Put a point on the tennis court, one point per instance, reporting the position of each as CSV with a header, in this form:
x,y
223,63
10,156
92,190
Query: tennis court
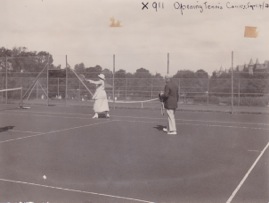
x,y
60,154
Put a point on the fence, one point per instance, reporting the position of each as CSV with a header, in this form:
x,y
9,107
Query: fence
x,y
237,88
246,92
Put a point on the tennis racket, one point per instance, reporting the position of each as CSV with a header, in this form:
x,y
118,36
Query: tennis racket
x,y
162,103
162,108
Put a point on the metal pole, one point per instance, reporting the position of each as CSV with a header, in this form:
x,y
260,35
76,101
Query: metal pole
x,y
6,77
79,97
239,87
37,89
81,81
47,84
34,83
21,100
151,88
179,89
58,87
167,63
208,83
66,77
113,93
126,85
232,84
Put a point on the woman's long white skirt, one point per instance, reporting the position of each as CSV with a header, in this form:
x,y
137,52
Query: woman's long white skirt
x,y
100,101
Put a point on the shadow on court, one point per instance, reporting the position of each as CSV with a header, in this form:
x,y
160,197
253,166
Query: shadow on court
x,y
6,128
160,127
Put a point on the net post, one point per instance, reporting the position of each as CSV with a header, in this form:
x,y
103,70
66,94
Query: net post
x,y
232,84
37,89
21,99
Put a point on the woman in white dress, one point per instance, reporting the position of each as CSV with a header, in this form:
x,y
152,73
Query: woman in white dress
x,y
100,97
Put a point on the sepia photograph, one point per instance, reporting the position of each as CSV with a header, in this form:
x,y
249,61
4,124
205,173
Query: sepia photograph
x,y
127,101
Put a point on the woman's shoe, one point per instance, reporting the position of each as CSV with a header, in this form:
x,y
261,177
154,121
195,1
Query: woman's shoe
x,y
107,115
95,116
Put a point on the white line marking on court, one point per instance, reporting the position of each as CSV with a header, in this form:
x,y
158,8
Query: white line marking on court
x,y
225,126
194,124
22,131
253,150
247,174
189,120
74,190
182,120
53,116
55,131
153,118
57,114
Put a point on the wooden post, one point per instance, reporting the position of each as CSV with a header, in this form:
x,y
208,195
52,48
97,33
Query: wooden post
x,y
58,86
168,63
208,83
6,85
66,80
47,85
113,93
239,91
232,84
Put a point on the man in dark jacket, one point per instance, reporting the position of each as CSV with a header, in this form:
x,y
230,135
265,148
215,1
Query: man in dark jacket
x,y
170,98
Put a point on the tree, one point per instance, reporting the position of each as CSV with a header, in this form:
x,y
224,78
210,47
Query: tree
x,y
24,66
142,73
220,84
187,81
108,73
93,72
202,81
79,68
120,82
141,84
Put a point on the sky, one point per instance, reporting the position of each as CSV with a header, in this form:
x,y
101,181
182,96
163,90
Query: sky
x,y
156,35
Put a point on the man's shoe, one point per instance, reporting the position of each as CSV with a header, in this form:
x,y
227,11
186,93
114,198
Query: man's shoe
x,y
172,133
165,129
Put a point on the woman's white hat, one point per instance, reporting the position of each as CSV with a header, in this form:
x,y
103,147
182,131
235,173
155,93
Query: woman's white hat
x,y
102,76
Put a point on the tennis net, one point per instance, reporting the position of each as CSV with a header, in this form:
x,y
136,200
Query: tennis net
x,y
11,98
147,104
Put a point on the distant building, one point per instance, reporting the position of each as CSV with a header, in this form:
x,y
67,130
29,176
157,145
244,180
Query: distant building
x,y
221,71
251,67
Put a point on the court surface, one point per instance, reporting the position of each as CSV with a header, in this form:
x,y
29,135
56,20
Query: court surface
x,y
60,154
